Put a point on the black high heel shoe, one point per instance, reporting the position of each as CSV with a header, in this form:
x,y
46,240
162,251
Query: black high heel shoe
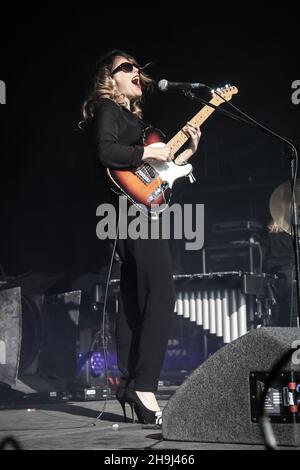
x,y
120,392
145,416
123,402
120,396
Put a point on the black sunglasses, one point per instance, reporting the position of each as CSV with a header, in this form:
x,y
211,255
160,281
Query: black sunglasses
x,y
126,67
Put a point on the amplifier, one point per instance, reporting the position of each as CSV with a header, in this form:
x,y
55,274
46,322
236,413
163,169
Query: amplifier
x,y
245,226
240,255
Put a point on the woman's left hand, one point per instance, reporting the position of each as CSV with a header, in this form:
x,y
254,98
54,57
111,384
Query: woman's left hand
x,y
194,133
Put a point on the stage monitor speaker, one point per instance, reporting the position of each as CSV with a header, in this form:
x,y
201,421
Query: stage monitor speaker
x,y
38,343
215,404
10,334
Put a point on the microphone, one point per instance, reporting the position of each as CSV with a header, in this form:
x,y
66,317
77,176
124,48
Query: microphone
x,y
165,85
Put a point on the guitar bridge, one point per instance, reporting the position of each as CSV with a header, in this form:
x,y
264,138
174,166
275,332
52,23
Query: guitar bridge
x,y
158,191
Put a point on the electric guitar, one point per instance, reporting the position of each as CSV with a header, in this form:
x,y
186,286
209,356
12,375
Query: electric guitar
x,y
150,185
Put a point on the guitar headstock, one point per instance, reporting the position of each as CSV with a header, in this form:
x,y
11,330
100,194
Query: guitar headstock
x,y
225,93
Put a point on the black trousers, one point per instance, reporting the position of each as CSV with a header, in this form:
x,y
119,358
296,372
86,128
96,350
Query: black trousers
x,y
147,300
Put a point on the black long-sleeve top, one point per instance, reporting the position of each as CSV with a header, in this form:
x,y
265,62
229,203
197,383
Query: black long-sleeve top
x,y
119,136
279,252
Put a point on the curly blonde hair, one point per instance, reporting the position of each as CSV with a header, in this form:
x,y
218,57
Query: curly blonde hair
x,y
105,87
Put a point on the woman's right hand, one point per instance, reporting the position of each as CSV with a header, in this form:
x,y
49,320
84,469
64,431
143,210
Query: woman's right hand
x,y
161,154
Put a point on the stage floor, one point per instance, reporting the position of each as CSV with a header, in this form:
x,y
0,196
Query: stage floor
x,y
73,426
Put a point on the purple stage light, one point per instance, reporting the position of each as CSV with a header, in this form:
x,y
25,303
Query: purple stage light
x,y
97,364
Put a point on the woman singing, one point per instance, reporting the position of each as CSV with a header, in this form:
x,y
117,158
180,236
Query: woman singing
x,y
146,285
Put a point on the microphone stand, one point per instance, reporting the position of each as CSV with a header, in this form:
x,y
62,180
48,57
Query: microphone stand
x,y
293,159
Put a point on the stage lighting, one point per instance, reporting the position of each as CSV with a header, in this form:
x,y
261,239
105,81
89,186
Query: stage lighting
x,y
91,364
91,382
97,363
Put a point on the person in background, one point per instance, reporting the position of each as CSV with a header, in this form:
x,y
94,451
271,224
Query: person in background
x,y
279,260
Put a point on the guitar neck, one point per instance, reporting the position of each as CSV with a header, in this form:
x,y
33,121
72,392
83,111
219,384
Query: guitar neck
x,y
180,138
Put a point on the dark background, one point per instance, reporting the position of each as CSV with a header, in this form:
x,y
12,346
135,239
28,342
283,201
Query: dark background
x,y
50,183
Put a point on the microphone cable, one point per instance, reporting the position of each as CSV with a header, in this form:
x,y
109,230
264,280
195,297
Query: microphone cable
x,y
102,332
